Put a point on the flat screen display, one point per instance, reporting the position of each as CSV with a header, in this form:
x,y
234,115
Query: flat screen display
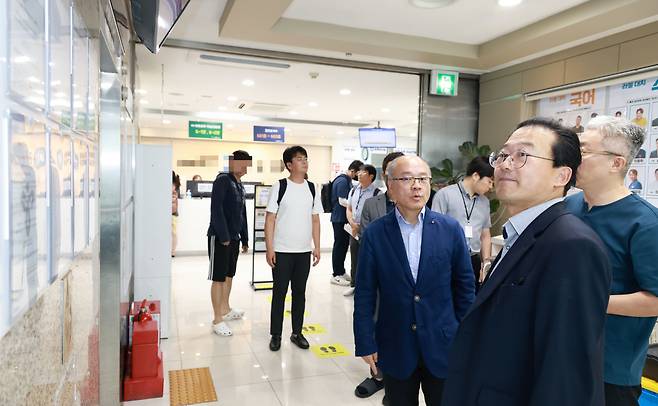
x,y
377,137
154,19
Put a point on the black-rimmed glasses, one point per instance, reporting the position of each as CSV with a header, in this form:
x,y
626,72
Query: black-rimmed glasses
x,y
517,158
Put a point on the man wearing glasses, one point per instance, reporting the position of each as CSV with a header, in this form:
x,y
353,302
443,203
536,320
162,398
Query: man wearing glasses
x,y
414,268
534,335
628,225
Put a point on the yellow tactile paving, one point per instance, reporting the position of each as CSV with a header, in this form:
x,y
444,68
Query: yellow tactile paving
x,y
190,386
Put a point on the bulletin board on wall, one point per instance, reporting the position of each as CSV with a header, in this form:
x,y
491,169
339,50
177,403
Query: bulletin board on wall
x,y
636,100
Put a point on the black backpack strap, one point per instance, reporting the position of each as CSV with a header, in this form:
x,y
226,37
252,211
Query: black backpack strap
x,y
376,191
311,187
283,184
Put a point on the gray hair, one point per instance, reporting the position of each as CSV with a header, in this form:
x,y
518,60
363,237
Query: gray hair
x,y
390,169
619,133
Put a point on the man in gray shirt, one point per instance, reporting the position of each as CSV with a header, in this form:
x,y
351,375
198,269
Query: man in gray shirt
x,y
466,202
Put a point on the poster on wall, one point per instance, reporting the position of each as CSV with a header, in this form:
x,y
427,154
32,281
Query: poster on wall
x,y
28,214
636,100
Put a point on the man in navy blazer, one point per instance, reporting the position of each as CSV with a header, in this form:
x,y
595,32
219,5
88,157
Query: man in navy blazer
x,y
534,336
414,267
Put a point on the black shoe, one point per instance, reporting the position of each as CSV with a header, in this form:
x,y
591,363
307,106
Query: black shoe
x,y
275,343
299,341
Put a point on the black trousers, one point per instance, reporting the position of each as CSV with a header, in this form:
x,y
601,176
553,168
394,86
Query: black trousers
x,y
616,395
354,257
293,269
476,262
339,251
405,392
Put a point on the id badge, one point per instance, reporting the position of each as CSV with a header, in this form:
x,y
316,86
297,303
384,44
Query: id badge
x,y
468,231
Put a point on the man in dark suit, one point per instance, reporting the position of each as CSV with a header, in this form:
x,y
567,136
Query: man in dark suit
x,y
534,336
415,269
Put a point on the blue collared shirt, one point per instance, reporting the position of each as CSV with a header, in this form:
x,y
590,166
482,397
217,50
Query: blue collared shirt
x,y
412,236
357,199
517,224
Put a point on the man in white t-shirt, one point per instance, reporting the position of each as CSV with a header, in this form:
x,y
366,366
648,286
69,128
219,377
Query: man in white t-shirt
x,y
291,222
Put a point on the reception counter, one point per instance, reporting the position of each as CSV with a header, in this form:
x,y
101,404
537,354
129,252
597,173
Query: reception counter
x,y
194,218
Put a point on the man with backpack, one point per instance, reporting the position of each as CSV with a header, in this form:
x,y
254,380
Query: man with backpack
x,y
356,199
340,188
291,222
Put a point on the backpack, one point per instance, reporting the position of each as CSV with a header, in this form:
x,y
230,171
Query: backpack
x,y
283,185
326,194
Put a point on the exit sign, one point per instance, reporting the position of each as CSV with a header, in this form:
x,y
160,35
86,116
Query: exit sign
x,y
203,129
444,83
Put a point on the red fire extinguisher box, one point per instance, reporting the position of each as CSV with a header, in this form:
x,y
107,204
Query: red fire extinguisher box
x,y
145,376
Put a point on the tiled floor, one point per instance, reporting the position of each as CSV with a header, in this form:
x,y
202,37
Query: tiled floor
x,y
244,370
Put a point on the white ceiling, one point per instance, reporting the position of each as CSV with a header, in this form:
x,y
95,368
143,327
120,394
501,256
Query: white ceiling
x,y
465,21
192,86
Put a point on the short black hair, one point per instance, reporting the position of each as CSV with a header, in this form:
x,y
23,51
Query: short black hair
x,y
565,148
481,166
371,170
390,157
240,155
290,153
355,165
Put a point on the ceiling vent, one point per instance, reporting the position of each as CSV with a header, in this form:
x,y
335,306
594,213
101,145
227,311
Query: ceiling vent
x,y
239,63
259,107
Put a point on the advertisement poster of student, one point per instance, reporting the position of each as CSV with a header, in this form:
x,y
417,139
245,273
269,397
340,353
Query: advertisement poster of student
x,y
654,117
619,112
639,115
653,147
635,179
652,181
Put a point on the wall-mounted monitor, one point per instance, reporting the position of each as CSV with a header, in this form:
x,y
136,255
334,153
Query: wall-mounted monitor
x,y
201,188
377,137
154,20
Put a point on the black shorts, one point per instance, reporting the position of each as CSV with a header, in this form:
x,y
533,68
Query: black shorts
x,y
223,259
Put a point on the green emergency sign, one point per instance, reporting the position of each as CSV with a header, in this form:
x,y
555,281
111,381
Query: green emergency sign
x,y
444,83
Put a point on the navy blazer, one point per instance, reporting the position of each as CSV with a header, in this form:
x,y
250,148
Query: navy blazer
x,y
534,336
414,320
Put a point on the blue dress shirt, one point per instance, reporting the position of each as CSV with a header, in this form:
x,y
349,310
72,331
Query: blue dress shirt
x,y
412,236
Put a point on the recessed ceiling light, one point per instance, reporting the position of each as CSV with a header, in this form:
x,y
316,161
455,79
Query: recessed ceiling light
x,y
293,113
386,110
345,92
143,101
21,59
231,98
140,91
358,117
340,132
509,3
431,3
312,104
165,121
248,82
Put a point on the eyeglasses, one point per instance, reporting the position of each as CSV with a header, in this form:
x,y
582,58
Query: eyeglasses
x,y
300,159
608,153
410,180
517,158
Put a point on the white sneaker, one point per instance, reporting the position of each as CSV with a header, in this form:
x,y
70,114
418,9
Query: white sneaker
x,y
222,329
339,280
349,292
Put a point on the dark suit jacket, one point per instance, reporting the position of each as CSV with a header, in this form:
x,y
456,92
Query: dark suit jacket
x,y
373,208
534,336
415,319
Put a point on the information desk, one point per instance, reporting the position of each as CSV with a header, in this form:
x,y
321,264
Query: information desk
x,y
194,218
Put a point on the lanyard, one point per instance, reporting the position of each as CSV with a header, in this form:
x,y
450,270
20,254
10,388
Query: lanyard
x,y
362,191
468,215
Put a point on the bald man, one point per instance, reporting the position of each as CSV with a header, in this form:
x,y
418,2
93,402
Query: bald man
x,y
417,263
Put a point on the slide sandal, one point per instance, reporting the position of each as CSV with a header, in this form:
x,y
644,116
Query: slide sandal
x,y
234,314
368,387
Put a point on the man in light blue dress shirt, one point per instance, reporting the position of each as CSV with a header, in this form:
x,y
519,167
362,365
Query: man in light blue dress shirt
x,y
415,269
